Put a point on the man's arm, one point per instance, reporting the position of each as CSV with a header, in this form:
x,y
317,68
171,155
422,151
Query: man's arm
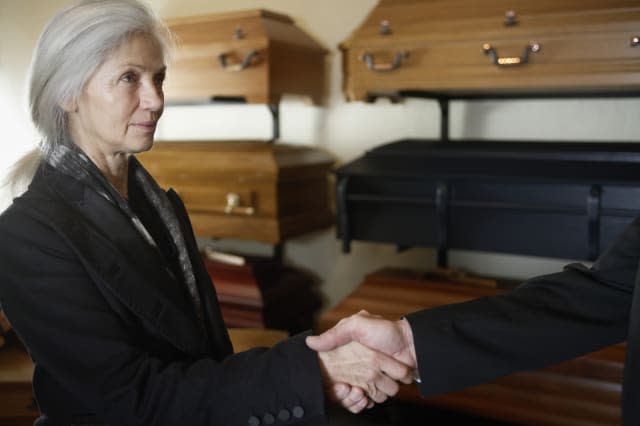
x,y
544,321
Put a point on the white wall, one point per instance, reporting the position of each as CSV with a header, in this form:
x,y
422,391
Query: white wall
x,y
345,129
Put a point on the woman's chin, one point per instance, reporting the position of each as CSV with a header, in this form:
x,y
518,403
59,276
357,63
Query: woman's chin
x,y
142,146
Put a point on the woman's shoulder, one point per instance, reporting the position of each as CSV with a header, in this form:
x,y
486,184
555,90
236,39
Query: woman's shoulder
x,y
24,214
31,224
43,202
47,187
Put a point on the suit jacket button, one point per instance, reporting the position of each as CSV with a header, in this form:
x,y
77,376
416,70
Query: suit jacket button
x,y
298,412
269,419
284,415
254,421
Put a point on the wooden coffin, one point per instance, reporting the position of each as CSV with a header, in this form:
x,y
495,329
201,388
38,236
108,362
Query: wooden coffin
x,y
247,190
555,199
583,391
255,55
494,46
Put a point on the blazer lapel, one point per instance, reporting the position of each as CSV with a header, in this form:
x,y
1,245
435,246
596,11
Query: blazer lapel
x,y
220,342
123,263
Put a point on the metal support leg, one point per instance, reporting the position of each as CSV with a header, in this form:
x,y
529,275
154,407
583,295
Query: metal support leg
x,y
278,253
593,216
343,215
444,119
275,114
442,207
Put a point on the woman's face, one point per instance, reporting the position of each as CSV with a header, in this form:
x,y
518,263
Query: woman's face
x,y
119,108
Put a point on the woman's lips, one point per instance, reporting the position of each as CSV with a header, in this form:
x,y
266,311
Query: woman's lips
x,y
146,125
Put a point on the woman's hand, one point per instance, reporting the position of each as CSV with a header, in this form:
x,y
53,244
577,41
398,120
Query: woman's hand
x,y
357,376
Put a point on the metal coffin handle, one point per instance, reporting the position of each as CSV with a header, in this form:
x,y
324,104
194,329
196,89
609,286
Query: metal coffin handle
x,y
233,206
251,58
367,58
533,47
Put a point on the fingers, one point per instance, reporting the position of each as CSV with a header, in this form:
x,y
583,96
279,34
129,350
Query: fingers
x,y
360,405
336,336
340,391
378,392
350,398
369,354
391,371
367,314
396,370
341,333
359,366
356,401
393,338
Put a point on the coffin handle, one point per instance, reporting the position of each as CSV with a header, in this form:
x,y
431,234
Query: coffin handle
x,y
532,47
367,58
250,58
233,206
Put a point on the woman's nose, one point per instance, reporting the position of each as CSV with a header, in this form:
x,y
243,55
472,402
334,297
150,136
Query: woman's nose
x,y
151,97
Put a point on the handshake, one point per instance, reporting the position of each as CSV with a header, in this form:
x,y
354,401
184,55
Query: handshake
x,y
363,358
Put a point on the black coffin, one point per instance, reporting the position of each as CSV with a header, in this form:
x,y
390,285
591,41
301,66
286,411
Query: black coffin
x,y
554,199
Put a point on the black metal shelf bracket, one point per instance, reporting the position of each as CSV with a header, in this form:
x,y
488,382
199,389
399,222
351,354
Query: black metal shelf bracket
x,y
443,102
594,202
442,213
274,109
343,218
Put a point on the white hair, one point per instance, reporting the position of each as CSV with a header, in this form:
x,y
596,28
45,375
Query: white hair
x,y
75,42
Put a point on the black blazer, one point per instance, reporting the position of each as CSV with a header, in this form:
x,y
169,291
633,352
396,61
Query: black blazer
x,y
114,336
546,320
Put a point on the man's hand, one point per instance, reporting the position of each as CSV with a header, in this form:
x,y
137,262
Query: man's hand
x,y
393,338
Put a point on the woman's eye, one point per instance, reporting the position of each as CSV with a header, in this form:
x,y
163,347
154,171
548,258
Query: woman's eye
x,y
129,78
159,79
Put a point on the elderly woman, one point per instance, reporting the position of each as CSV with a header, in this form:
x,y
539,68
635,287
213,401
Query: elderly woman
x,y
101,277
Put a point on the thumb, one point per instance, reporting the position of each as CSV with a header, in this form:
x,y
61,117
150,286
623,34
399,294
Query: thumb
x,y
329,340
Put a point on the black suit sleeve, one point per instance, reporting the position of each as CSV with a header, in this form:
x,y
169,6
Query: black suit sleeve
x,y
83,343
545,320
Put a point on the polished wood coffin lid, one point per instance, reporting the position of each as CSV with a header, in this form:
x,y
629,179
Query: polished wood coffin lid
x,y
449,47
247,190
278,58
